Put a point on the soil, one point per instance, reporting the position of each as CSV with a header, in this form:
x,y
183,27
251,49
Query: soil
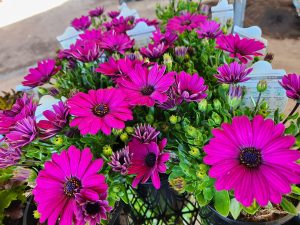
x,y
277,18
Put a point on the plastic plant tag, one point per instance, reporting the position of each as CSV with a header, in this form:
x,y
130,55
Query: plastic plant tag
x,y
274,95
141,33
126,11
68,37
222,12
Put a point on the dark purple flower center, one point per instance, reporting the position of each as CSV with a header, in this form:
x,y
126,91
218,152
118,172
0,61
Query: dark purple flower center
x,y
150,159
148,90
122,160
100,110
72,186
186,22
250,157
92,208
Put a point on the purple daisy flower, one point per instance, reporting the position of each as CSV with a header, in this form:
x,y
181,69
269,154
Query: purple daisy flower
x,y
91,35
190,88
167,39
291,83
9,156
41,74
90,211
233,73
242,48
181,51
22,108
85,51
115,42
96,12
209,29
120,161
145,133
114,14
154,51
23,133
82,23
56,120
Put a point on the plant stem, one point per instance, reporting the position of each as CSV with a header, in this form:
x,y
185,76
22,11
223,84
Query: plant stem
x,y
292,112
257,102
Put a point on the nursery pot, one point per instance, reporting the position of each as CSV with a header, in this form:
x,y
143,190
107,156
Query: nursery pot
x,y
163,206
214,218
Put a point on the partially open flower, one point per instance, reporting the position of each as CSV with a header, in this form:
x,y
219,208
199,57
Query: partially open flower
x,y
120,161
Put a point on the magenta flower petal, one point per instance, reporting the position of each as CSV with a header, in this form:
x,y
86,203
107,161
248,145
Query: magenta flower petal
x,y
62,180
233,73
146,87
291,83
242,48
41,74
101,109
254,159
82,23
209,29
147,161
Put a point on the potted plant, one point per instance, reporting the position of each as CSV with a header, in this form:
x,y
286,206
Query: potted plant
x,y
157,127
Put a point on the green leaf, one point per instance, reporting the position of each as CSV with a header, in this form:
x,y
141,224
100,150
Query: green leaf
x,y
208,193
200,198
235,208
222,202
295,190
288,206
252,209
6,196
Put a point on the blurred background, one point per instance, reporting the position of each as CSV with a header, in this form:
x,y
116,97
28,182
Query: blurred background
x,y
28,30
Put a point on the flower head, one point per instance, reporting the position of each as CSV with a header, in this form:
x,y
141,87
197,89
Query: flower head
x,y
114,14
100,109
181,51
154,51
120,161
69,173
173,100
291,83
233,73
96,12
253,158
242,48
91,211
190,88
185,22
116,42
145,133
85,50
82,23
148,22
22,133
9,156
56,120
92,35
167,38
145,87
148,160
22,108
41,74
121,24
209,29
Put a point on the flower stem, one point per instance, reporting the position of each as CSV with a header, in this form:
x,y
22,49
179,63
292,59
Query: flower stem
x,y
257,102
292,112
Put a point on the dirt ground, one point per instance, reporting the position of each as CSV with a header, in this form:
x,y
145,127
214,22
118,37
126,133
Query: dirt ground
x,y
25,42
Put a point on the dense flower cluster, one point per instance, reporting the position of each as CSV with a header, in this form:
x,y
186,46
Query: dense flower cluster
x,y
171,102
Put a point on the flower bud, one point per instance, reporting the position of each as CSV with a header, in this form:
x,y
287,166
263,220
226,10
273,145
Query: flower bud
x,y
194,151
57,140
216,118
217,104
129,130
124,137
107,150
174,119
168,61
202,106
234,97
191,131
117,132
178,184
262,86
